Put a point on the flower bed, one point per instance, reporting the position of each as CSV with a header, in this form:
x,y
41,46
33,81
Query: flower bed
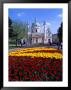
x,y
35,64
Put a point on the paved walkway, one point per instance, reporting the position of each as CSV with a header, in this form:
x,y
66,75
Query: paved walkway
x,y
17,48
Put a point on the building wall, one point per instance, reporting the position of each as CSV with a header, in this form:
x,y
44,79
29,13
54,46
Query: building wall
x,y
47,39
37,29
40,40
33,40
37,40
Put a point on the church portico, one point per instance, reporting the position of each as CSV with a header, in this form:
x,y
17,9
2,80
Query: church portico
x,y
37,38
40,33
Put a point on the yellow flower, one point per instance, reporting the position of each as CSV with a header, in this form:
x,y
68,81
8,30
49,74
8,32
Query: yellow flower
x,y
24,52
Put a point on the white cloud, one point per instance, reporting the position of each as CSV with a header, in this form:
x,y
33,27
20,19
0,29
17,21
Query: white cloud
x,y
48,24
20,14
60,15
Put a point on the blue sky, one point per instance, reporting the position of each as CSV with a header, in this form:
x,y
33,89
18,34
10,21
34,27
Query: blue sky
x,y
52,16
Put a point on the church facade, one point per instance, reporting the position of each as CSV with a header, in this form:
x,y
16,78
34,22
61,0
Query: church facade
x,y
40,33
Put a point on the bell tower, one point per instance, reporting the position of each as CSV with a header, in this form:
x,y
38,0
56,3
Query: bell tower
x,y
45,32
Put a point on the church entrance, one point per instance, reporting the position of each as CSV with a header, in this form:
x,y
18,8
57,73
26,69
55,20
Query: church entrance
x,y
36,40
49,41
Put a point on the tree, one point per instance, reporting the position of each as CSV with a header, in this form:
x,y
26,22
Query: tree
x,y
60,32
10,27
10,22
20,30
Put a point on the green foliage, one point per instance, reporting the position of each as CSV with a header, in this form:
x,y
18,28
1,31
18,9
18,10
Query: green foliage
x,y
60,32
20,29
10,27
10,22
17,31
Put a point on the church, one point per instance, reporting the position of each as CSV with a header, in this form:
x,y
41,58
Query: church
x,y
40,33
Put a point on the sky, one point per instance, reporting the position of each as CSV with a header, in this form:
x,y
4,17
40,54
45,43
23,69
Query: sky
x,y
54,17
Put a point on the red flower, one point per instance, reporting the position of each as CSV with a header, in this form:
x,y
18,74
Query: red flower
x,y
10,79
20,67
54,72
24,68
20,73
26,77
16,78
16,71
